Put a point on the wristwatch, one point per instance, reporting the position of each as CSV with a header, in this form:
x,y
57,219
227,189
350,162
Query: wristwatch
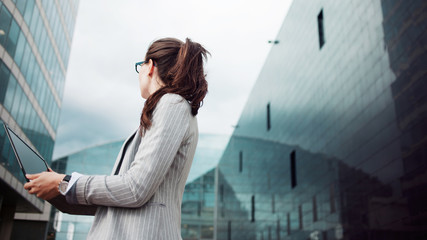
x,y
63,185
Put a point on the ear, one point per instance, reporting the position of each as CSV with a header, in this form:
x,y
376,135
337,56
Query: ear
x,y
150,67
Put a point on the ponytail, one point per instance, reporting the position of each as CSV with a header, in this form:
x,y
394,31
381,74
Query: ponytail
x,y
180,67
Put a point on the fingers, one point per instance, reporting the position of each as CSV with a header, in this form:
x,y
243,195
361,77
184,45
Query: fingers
x,y
27,186
33,191
33,176
43,185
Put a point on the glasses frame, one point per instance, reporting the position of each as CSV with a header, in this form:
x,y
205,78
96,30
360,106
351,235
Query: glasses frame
x,y
140,64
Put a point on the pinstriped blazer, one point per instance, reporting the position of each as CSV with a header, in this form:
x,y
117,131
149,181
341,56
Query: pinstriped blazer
x,y
144,200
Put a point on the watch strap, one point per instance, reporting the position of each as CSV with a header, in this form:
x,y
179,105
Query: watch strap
x,y
67,178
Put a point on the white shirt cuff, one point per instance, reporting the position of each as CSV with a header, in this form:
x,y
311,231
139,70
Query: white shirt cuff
x,y
74,177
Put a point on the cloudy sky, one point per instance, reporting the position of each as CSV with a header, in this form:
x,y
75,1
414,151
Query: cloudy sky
x,y
102,102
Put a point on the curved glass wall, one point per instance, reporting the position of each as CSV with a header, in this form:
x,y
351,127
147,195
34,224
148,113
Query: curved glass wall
x,y
199,191
198,202
331,143
98,160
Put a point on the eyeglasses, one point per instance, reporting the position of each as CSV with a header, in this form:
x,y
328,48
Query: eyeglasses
x,y
139,64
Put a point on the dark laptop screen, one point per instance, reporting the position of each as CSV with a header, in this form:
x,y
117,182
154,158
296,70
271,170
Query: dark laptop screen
x,y
31,162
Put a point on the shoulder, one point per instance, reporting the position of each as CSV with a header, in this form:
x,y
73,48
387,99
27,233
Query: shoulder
x,y
172,101
172,98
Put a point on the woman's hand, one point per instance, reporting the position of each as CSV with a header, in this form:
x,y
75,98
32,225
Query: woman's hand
x,y
44,184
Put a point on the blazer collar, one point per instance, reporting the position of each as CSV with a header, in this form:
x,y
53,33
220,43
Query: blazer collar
x,y
125,145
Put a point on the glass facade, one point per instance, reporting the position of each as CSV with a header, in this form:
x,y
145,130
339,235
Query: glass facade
x,y
98,160
197,209
198,202
35,38
199,191
331,142
35,42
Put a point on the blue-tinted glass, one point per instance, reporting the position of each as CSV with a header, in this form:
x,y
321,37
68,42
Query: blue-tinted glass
x,y
12,38
19,49
4,79
31,65
38,31
34,20
27,53
29,11
351,115
10,93
21,112
27,108
16,101
32,124
5,18
20,4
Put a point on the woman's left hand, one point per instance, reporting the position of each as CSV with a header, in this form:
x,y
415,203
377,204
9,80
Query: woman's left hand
x,y
44,184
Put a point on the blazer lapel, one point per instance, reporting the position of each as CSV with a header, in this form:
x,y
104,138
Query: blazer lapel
x,y
122,152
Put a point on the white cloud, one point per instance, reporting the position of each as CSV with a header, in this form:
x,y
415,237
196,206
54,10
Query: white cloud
x,y
110,36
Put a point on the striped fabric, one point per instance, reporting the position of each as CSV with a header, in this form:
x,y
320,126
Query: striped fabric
x,y
144,200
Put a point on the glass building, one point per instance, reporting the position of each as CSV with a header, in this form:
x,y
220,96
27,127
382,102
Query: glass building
x,y
98,160
198,200
197,209
332,143
35,42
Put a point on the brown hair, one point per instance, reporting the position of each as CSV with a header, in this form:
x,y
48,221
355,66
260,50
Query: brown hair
x,y
180,67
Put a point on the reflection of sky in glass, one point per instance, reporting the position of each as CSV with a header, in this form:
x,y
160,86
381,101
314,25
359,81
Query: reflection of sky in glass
x,y
333,139
97,160
209,150
100,159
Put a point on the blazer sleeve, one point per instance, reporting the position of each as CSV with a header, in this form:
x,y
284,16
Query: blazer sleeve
x,y
153,158
62,205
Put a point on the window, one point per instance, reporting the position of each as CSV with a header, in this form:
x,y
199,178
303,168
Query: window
x,y
293,170
273,204
278,229
4,79
12,38
332,198
240,161
28,11
16,102
19,49
20,4
321,29
5,18
221,193
300,216
288,225
253,209
229,231
314,209
268,117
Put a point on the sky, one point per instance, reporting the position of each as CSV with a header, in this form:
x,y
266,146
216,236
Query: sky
x,y
102,101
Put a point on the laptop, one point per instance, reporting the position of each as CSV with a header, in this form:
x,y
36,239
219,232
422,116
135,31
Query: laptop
x,y
29,160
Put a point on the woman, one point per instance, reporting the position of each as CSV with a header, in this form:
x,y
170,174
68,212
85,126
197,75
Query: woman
x,y
142,199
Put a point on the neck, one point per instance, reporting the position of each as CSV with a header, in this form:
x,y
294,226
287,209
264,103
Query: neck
x,y
155,85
